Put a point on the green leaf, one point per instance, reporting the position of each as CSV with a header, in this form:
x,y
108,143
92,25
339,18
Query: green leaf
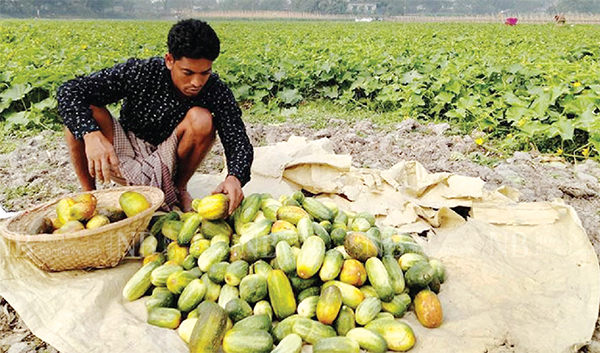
x,y
467,103
587,121
290,96
532,128
514,114
410,77
48,103
17,119
16,92
330,91
563,127
444,97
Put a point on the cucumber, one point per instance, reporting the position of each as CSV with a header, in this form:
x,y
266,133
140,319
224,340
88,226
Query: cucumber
x,y
215,253
367,310
263,307
336,345
177,281
284,327
351,296
380,279
213,290
281,294
253,288
311,257
140,282
329,305
238,309
308,292
292,343
209,330
419,275
192,295
316,209
345,321
308,307
332,265
228,293
285,257
161,297
398,335
164,317
254,322
189,228
312,331
395,272
235,272
247,341
216,272
258,248
305,229
368,340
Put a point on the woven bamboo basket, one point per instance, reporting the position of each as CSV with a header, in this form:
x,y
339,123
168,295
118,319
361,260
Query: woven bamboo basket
x,y
91,248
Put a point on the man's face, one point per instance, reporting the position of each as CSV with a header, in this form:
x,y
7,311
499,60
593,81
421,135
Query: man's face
x,y
188,75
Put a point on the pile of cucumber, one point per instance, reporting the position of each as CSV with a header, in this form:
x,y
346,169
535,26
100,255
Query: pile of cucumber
x,y
280,273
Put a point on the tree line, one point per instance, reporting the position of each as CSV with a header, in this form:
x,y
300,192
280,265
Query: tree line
x,y
156,8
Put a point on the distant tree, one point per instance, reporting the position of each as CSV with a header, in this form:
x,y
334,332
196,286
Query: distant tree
x,y
273,5
585,6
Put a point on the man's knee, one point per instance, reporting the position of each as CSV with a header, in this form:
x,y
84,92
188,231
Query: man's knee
x,y
198,121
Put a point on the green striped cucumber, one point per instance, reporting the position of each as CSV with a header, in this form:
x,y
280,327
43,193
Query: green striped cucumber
x,y
380,279
253,288
216,253
285,257
254,322
368,340
238,309
235,272
312,331
291,343
345,321
164,317
395,272
216,272
336,345
140,282
209,330
367,310
189,228
192,295
247,341
332,265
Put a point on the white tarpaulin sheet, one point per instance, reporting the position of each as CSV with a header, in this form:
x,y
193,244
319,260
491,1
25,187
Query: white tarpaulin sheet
x,y
522,277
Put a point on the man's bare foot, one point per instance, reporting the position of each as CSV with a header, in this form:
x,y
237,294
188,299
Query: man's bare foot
x,y
185,200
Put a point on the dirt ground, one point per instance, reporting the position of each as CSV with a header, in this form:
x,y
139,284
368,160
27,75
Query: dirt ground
x,y
38,170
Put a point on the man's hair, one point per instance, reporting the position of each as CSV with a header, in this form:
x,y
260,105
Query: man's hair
x,y
193,39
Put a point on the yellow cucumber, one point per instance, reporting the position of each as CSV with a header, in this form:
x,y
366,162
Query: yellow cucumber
x,y
281,294
311,257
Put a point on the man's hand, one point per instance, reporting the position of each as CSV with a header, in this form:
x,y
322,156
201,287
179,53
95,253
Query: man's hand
x,y
233,188
101,156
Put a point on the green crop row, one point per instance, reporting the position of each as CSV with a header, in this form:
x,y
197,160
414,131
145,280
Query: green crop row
x,y
538,83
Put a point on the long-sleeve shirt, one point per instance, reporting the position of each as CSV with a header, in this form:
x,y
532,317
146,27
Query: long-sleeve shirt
x,y
151,107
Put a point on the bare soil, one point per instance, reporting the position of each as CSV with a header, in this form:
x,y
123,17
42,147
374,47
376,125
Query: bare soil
x,y
38,170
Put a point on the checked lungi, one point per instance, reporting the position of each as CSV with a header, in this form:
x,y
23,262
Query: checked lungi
x,y
143,163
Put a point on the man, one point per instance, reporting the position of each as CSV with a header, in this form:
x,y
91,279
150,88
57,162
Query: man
x,y
171,108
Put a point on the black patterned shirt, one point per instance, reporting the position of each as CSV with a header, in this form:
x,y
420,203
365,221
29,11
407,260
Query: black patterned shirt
x,y
151,107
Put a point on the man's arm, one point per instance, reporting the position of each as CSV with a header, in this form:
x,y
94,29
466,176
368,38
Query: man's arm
x,y
76,98
99,89
238,149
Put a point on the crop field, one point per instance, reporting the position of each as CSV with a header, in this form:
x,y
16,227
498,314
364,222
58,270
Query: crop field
x,y
523,87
